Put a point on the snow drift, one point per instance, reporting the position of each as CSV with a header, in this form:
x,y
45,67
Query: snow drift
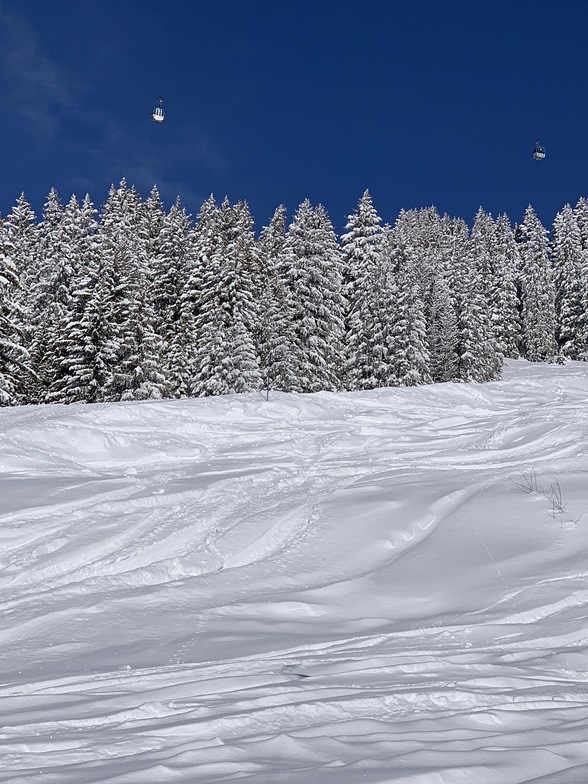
x,y
386,586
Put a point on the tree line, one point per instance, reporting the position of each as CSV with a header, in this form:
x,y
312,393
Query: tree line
x,y
135,302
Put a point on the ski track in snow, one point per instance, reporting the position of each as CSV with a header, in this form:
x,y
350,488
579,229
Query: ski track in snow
x,y
324,589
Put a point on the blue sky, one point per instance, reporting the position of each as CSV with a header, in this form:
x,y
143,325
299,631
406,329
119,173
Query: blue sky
x,y
273,102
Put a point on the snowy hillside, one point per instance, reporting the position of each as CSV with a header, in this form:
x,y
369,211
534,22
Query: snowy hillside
x,y
368,587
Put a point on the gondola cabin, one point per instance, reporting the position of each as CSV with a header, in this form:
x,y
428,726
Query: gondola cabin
x,y
158,115
538,152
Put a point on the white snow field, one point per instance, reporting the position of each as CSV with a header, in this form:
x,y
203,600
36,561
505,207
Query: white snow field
x,y
385,586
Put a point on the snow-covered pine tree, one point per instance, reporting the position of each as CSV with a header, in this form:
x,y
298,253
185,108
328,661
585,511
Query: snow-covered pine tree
x,y
421,234
429,242
225,358
23,234
273,341
368,290
581,215
50,295
22,231
181,354
570,285
482,249
494,250
243,246
437,245
328,359
14,371
478,359
537,290
151,220
74,380
311,268
171,268
481,245
127,347
149,382
477,356
103,321
506,305
410,353
442,328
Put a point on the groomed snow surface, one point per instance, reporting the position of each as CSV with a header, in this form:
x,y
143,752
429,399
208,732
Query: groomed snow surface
x,y
385,586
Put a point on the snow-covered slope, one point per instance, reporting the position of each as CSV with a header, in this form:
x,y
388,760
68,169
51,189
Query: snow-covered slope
x,y
325,589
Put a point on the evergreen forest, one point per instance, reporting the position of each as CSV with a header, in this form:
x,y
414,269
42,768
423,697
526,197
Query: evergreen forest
x,y
136,302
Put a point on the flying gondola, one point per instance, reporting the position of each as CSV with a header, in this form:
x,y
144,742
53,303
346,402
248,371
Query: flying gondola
x,y
158,115
539,151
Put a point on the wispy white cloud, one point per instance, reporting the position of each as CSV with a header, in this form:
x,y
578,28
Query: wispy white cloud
x,y
45,95
36,86
174,168
144,171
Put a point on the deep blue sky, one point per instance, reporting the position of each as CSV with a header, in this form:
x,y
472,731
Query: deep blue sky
x,y
273,102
